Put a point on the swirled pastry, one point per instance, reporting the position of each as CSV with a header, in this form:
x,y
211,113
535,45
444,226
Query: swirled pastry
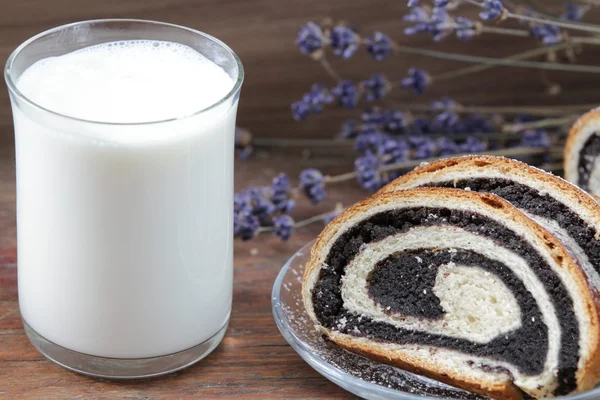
x,y
582,151
564,209
459,286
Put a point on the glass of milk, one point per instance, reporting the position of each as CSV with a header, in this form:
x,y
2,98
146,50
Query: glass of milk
x,y
124,138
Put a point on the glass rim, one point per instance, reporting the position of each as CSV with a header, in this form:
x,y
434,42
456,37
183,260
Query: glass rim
x,y
10,82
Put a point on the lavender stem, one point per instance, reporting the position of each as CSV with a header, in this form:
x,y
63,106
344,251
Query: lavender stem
x,y
505,31
499,61
519,56
337,143
507,110
544,21
560,24
329,69
545,123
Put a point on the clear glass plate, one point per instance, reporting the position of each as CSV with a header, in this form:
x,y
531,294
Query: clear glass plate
x,y
361,376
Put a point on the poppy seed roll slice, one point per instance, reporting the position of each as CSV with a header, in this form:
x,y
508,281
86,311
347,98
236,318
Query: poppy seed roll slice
x,y
459,286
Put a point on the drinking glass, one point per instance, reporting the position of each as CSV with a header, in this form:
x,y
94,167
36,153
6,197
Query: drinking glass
x,y
124,230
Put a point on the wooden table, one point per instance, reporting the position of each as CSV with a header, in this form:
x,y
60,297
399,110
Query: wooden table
x,y
253,361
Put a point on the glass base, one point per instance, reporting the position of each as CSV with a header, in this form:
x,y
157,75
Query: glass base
x,y
116,368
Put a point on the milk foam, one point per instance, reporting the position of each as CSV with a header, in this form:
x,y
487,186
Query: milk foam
x,y
126,82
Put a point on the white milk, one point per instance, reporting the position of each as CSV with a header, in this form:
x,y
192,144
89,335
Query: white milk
x,y
125,231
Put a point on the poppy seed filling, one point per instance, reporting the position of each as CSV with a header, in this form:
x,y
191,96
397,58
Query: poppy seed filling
x,y
530,200
587,157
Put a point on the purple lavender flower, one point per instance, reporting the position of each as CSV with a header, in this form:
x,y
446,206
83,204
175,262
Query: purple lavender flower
x,y
372,116
548,34
241,202
246,152
574,12
347,94
441,24
447,119
281,191
369,140
344,41
447,122
312,102
444,104
394,121
262,207
421,20
281,184
535,138
246,225
375,87
349,129
256,201
465,28
417,80
476,123
492,10
446,147
319,96
312,182
422,147
243,142
473,145
412,3
421,126
301,110
310,38
379,46
283,224
367,169
391,151
441,3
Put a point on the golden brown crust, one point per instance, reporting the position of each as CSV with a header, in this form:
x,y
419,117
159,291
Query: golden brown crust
x,y
504,391
504,165
587,377
571,153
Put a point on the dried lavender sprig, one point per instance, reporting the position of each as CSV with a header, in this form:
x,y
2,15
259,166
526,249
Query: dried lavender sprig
x,y
329,69
505,14
301,109
545,123
484,67
505,31
341,143
326,217
511,152
350,143
440,24
559,23
257,209
499,61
